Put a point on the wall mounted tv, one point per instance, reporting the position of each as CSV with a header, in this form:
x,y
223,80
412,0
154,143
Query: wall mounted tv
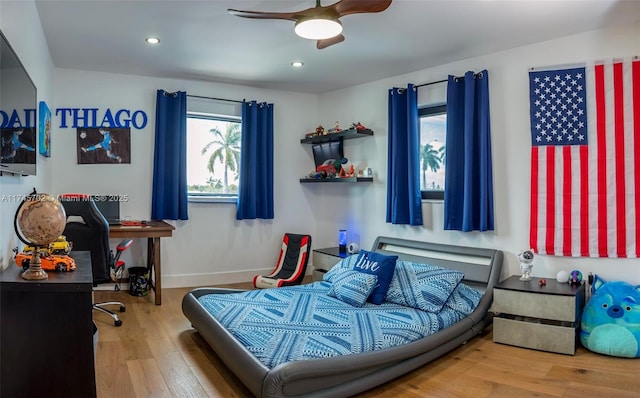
x,y
18,103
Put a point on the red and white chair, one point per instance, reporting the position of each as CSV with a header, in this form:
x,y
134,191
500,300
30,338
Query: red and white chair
x,y
292,263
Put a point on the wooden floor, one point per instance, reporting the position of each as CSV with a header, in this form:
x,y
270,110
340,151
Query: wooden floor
x,y
156,353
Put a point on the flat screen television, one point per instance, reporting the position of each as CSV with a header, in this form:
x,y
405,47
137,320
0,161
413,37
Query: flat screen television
x,y
18,103
327,151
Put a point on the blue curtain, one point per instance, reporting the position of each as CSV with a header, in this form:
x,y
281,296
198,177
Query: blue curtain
x,y
255,194
404,202
468,180
169,198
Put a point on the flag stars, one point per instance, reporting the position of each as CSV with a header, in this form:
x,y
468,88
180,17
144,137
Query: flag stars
x,y
558,108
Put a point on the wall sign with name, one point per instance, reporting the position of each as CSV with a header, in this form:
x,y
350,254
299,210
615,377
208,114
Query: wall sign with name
x,y
78,118
91,117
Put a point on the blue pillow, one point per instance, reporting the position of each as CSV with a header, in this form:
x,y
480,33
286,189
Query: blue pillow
x,y
380,265
353,287
341,266
421,286
464,299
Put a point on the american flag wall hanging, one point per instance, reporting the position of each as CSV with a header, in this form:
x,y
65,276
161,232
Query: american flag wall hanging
x,y
585,160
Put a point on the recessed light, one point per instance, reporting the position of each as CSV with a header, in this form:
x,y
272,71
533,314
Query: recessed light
x,y
297,64
152,40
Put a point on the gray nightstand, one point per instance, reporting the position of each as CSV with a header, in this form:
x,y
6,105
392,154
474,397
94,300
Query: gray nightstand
x,y
544,318
324,260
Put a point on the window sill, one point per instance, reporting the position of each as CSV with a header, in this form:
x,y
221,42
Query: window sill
x,y
212,199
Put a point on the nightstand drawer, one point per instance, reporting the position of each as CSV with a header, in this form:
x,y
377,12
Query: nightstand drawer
x,y
538,336
324,260
318,275
544,306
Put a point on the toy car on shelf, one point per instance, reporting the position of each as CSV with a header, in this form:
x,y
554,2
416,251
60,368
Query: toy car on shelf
x,y
48,262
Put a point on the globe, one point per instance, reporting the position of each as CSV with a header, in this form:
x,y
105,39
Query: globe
x,y
39,220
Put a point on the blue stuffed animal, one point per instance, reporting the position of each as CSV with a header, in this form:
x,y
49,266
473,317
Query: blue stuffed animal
x,y
611,319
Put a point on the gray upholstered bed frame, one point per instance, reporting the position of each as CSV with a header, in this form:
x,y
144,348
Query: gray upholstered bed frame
x,y
347,375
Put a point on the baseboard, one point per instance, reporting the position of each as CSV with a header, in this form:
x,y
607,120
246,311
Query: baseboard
x,y
213,279
196,280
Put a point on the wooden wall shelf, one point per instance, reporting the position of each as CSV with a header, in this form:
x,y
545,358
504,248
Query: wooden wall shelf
x,y
344,134
338,180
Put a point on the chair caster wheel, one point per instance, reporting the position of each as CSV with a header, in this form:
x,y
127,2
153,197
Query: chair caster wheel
x,y
118,322
122,309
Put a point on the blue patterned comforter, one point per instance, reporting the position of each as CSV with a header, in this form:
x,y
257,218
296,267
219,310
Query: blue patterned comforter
x,y
302,322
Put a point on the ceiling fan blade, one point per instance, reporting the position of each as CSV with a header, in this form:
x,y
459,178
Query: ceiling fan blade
x,y
347,7
324,43
290,16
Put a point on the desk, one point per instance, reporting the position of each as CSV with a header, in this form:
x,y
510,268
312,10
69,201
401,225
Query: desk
x,y
46,333
153,231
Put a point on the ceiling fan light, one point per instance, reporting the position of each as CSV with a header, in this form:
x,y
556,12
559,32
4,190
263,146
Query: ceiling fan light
x,y
318,28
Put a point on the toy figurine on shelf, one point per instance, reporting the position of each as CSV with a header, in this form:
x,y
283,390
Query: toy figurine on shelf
x,y
336,128
327,169
358,126
320,130
346,170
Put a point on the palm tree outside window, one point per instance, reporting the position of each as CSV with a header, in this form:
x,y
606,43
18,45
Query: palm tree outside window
x,y
433,129
213,157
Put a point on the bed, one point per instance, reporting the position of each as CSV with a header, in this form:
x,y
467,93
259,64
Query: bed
x,y
236,324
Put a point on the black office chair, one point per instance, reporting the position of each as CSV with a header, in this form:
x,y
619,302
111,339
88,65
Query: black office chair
x,y
88,230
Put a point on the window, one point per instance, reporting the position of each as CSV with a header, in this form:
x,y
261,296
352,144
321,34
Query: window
x,y
433,131
213,157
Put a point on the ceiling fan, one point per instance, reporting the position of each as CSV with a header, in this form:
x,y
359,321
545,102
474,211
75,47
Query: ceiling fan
x,y
321,23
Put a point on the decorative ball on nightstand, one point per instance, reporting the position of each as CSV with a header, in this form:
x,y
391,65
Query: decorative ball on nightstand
x,y
562,277
575,277
353,248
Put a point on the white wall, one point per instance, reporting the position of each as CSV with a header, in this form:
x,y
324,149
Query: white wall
x,y
211,247
31,47
509,97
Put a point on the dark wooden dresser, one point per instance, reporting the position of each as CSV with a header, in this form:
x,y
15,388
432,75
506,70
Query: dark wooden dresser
x,y
46,333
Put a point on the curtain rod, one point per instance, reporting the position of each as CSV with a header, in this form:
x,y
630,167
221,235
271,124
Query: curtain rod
x,y
479,74
214,98
430,83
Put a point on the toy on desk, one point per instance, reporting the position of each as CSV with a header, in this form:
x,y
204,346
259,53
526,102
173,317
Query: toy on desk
x,y
133,223
59,246
48,261
526,264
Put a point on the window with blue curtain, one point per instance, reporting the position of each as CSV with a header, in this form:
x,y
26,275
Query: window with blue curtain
x,y
169,195
404,202
255,194
468,194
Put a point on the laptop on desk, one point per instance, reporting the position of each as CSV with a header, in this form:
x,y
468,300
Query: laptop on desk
x,y
109,207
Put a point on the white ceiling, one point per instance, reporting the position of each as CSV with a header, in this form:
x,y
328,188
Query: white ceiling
x,y
201,40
